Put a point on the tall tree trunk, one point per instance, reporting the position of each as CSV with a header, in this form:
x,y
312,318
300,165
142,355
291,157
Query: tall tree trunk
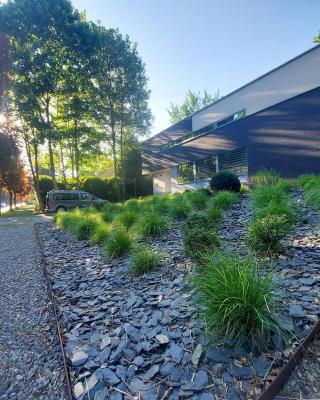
x,y
52,167
15,199
34,168
115,161
36,163
76,153
71,155
122,163
10,200
51,157
62,164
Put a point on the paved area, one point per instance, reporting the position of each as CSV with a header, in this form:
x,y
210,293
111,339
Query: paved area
x,y
30,365
15,221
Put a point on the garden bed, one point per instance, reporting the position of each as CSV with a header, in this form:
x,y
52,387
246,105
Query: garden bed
x,y
128,337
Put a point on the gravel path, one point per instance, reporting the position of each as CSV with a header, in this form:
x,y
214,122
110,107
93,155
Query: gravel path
x,y
30,365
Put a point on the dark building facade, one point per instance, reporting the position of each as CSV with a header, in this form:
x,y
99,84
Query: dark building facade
x,y
284,136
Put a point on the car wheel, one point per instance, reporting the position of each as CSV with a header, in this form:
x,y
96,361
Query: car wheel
x,y
60,209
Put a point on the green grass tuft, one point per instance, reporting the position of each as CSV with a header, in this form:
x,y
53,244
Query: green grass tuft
x,y
152,224
224,200
144,260
235,300
118,244
286,209
126,219
100,234
265,177
199,240
198,199
264,235
214,213
109,211
180,207
262,196
311,185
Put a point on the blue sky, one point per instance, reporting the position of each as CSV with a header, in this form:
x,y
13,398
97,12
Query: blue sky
x,y
207,44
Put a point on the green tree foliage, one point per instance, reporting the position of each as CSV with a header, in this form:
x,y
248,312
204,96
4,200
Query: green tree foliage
x,y
79,89
193,102
11,166
121,103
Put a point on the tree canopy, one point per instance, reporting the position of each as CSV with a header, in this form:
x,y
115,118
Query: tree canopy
x,y
194,101
78,89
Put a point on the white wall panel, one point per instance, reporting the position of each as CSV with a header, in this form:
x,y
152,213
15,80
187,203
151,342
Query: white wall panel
x,y
297,76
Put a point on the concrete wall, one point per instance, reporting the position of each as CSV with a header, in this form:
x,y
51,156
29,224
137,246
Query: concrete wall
x,y
293,78
162,182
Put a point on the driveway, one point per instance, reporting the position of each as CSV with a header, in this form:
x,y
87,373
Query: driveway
x,y
30,364
18,220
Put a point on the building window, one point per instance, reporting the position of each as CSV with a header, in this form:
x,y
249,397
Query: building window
x,y
208,128
185,173
235,161
205,168
197,170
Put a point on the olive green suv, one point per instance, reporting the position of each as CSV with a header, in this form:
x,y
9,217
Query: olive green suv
x,y
63,200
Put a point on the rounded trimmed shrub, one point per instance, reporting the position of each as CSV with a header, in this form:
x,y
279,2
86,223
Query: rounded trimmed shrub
x,y
225,181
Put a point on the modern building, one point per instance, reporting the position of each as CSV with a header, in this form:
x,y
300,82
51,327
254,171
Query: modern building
x,y
271,122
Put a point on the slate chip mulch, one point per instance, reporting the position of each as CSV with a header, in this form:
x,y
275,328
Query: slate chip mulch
x,y
139,337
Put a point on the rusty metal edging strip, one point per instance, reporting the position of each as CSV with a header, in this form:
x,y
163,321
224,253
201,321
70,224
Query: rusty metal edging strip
x,y
277,384
54,306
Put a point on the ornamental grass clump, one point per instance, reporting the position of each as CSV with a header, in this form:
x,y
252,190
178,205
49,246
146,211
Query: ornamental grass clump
x,y
83,226
152,224
65,219
109,211
144,260
224,200
100,234
198,199
199,240
180,207
126,219
311,187
118,244
214,213
199,236
265,177
157,204
133,205
262,196
265,234
235,301
285,209
200,219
